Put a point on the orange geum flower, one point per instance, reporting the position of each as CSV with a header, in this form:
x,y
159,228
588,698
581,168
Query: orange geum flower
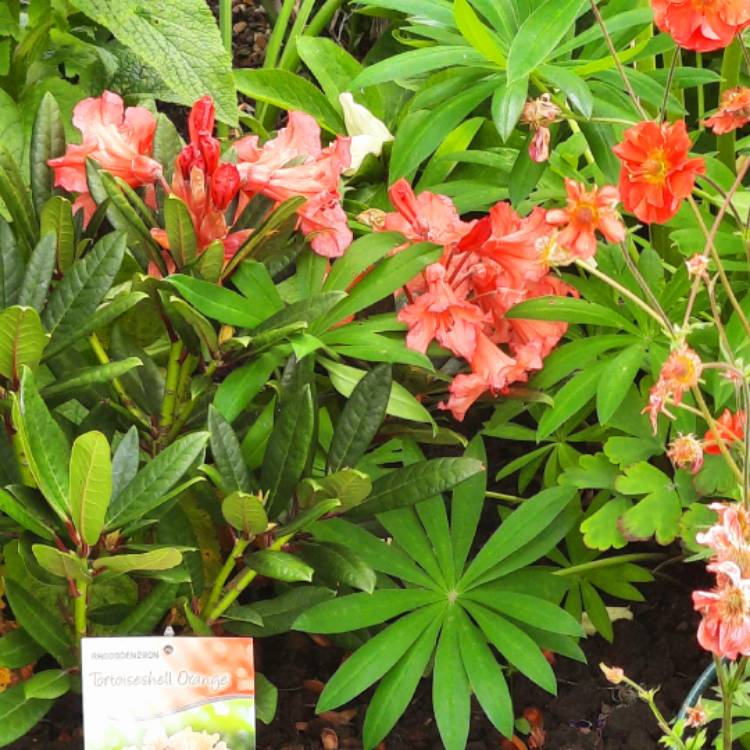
x,y
696,716
702,25
733,112
587,212
657,172
731,428
686,450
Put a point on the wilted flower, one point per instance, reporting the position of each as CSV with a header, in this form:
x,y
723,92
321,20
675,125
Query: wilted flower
x,y
587,212
615,675
539,114
696,716
657,173
697,265
702,25
731,427
686,450
733,113
725,627
119,140
368,134
678,375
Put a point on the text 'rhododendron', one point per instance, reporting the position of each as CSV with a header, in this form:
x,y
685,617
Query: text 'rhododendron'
x,y
487,267
206,185
119,140
702,25
657,173
294,163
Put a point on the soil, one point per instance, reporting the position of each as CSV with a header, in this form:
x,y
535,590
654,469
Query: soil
x,y
250,30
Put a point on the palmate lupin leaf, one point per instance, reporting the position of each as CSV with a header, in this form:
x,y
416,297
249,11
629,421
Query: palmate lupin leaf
x,y
456,611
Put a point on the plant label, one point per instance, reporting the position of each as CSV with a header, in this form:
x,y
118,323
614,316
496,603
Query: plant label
x,y
168,693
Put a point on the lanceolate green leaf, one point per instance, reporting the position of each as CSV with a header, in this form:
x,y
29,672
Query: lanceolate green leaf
x,y
46,447
57,216
47,142
77,296
467,504
218,303
18,649
359,257
398,686
22,340
158,559
145,491
149,612
39,623
369,663
12,265
39,270
166,34
26,515
227,453
360,419
477,34
617,377
569,310
19,714
17,199
419,481
539,34
180,231
79,379
90,484
279,565
287,449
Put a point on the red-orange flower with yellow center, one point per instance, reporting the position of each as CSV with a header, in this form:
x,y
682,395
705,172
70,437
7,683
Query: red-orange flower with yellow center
x,y
657,172
702,25
730,427
587,212
733,113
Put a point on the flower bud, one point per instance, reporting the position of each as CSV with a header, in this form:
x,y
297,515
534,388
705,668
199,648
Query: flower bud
x,y
225,182
210,151
615,675
201,120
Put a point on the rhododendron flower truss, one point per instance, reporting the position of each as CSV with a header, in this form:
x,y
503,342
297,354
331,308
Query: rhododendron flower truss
x,y
587,212
733,112
119,140
488,266
657,173
206,185
296,164
702,25
729,538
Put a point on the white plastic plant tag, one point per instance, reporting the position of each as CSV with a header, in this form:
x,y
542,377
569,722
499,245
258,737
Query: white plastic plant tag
x,y
168,693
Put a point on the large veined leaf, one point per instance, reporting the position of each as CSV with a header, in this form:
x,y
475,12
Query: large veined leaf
x,y
227,453
77,296
57,216
39,270
147,489
416,482
45,445
146,616
19,714
569,310
90,484
22,340
177,38
18,649
47,142
157,559
17,197
244,513
28,516
12,265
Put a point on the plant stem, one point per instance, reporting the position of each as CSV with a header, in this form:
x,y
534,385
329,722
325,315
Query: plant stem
x,y
323,17
668,85
289,57
624,292
606,562
239,585
240,545
273,49
618,62
503,496
225,28
730,77
133,409
79,610
645,288
169,402
726,699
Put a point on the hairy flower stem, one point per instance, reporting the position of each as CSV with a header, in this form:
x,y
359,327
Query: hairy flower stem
x,y
714,253
730,77
618,62
127,402
240,584
240,545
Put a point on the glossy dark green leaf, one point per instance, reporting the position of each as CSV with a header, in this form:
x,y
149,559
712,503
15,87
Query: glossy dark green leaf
x,y
360,418
144,618
19,714
281,566
227,453
17,198
178,223
38,275
244,513
338,564
12,265
125,461
47,142
507,105
216,302
18,649
57,216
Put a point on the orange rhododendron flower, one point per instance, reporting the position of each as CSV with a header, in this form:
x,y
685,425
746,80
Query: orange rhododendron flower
x,y
657,172
119,140
702,25
294,163
730,426
733,113
587,212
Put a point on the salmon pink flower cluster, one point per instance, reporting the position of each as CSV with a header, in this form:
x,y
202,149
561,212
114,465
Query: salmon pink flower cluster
x,y
488,266
702,25
725,627
119,140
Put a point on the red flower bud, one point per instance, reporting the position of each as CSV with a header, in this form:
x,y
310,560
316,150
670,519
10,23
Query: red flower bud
x,y
225,183
189,157
201,121
211,151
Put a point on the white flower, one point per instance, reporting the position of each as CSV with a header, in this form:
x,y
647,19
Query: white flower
x,y
368,134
